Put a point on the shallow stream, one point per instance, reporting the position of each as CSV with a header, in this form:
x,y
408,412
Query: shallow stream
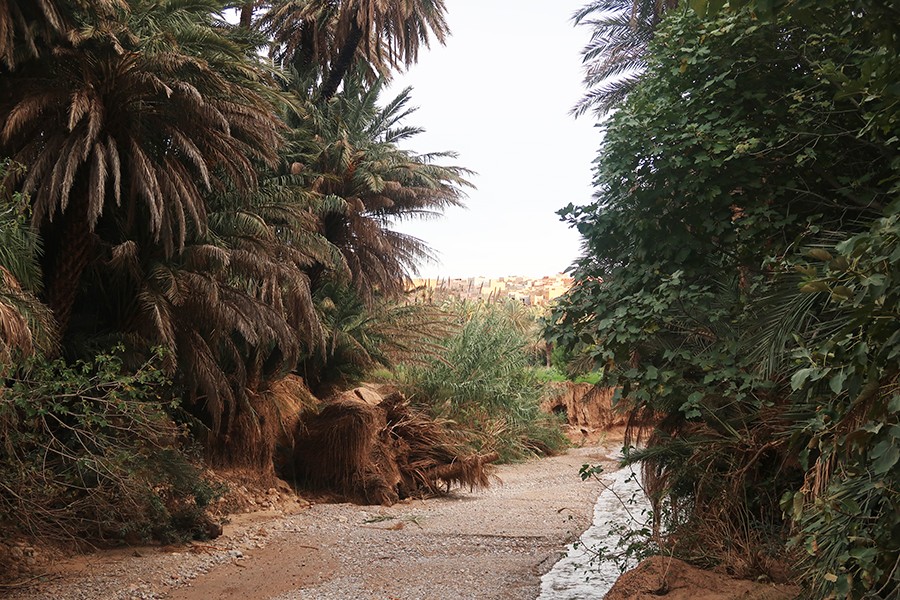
x,y
580,575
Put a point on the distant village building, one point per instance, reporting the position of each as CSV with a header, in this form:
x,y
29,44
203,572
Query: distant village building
x,y
529,291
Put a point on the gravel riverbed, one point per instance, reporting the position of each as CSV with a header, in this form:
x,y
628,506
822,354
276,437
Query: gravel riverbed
x,y
488,544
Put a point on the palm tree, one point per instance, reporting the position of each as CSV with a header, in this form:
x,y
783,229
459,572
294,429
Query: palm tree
x,y
360,336
26,326
336,35
125,130
29,28
26,26
614,56
348,149
233,310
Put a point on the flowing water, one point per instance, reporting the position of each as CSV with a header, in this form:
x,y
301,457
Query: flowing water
x,y
580,575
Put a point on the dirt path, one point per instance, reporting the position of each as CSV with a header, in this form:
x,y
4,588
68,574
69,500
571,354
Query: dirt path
x,y
478,545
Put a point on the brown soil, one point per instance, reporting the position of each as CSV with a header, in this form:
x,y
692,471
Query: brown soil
x,y
279,568
588,409
676,580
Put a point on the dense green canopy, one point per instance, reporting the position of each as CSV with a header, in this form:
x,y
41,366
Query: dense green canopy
x,y
739,284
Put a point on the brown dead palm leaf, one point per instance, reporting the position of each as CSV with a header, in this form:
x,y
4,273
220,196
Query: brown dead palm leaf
x,y
30,28
431,453
27,27
15,334
380,453
26,324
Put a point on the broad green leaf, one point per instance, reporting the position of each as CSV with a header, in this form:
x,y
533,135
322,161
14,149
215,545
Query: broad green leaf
x,y
842,292
836,383
885,454
800,377
714,6
699,6
894,404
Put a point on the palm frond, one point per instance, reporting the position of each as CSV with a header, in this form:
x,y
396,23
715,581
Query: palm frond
x,y
366,183
613,58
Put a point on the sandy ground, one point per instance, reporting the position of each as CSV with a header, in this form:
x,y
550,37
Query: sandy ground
x,y
494,543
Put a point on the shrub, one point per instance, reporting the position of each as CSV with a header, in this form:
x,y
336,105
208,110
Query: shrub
x,y
90,453
739,286
482,378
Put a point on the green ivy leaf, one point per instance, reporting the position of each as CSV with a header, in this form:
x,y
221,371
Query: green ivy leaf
x,y
894,404
819,254
699,6
814,286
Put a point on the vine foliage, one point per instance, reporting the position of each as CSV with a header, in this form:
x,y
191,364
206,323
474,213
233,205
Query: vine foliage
x,y
739,287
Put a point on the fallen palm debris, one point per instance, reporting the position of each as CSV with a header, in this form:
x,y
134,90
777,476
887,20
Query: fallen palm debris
x,y
381,452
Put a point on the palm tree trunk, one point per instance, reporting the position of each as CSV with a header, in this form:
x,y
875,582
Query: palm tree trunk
x,y
343,62
71,254
247,13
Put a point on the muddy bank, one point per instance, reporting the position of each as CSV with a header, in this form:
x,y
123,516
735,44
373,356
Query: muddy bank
x,y
676,580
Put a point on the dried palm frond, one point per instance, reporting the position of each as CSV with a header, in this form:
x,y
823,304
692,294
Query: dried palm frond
x,y
379,453
26,324
428,455
334,446
28,27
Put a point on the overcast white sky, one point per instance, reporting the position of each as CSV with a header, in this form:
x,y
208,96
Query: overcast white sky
x,y
499,94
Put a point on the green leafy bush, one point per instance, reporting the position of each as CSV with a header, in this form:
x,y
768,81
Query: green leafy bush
x,y
549,374
481,377
90,452
740,287
847,417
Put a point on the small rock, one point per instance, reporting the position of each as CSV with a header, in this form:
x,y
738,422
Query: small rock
x,y
213,529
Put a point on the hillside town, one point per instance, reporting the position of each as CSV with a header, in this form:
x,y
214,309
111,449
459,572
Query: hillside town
x,y
527,290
